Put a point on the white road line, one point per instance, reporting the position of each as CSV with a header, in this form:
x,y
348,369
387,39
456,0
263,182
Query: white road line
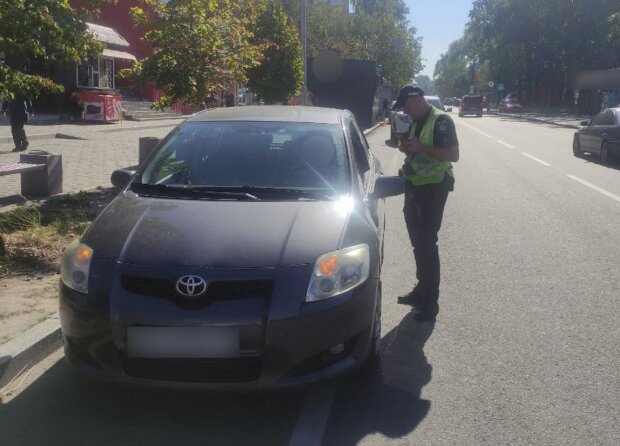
x,y
505,144
475,129
544,163
312,422
596,188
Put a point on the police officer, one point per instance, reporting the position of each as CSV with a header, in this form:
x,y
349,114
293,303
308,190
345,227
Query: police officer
x,y
431,146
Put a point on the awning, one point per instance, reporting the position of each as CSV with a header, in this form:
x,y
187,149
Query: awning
x,y
106,35
118,54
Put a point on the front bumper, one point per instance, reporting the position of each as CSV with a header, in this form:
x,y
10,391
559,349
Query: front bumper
x,y
284,342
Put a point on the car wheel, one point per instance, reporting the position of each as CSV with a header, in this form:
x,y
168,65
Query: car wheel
x,y
577,148
374,357
605,152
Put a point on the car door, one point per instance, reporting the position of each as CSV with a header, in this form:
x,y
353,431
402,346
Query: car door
x,y
586,137
368,170
605,129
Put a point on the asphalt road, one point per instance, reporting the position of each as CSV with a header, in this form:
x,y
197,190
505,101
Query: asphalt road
x,y
525,349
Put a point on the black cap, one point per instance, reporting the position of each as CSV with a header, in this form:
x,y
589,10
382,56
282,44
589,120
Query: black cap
x,y
405,93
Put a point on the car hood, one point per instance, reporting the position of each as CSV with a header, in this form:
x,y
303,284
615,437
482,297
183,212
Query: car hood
x,y
217,234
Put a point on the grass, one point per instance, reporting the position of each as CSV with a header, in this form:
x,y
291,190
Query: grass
x,y
35,235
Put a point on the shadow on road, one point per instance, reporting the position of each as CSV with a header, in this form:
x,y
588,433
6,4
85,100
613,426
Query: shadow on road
x,y
388,402
614,163
58,409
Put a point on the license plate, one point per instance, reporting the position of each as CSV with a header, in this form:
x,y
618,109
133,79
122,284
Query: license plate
x,y
182,342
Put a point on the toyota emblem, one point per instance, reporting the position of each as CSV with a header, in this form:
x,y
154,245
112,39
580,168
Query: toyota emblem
x,y
191,286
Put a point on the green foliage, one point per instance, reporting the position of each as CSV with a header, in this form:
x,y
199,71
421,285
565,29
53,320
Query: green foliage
x,y
201,46
535,47
426,84
48,30
376,31
452,74
280,75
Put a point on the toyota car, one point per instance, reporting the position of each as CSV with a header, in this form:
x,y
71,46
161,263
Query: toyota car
x,y
244,253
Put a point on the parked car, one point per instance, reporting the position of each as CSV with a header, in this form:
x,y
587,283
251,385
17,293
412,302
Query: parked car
x,y
510,104
245,252
471,105
436,102
600,136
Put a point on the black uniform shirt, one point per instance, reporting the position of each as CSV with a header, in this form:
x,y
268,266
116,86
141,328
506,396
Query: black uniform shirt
x,y
444,133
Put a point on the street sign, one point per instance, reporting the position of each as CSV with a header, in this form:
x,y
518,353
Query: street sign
x,y
500,87
491,84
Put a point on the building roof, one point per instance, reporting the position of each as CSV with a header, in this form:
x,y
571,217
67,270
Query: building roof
x,y
271,113
106,35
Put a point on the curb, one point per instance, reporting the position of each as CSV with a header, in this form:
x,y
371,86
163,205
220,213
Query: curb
x,y
528,118
28,348
372,129
156,126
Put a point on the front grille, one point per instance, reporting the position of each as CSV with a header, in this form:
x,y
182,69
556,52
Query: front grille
x,y
216,291
196,370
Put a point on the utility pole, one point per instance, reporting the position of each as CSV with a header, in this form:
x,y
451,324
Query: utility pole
x,y
304,89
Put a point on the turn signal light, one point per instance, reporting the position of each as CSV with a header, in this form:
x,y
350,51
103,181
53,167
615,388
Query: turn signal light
x,y
328,266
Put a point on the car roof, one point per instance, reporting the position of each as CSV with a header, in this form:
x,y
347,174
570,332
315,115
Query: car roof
x,y
272,113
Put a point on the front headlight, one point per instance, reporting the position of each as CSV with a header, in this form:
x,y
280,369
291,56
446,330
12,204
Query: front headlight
x,y
338,272
75,266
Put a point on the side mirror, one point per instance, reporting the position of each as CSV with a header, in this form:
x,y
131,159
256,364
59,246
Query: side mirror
x,y
121,177
585,123
388,187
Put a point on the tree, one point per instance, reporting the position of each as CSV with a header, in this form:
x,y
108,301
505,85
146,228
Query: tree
x,y
452,75
280,75
48,30
426,84
375,31
201,47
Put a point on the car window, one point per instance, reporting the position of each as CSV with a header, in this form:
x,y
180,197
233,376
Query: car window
x,y
609,118
261,154
359,149
598,119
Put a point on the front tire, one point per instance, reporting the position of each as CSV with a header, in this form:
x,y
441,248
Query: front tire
x,y
374,357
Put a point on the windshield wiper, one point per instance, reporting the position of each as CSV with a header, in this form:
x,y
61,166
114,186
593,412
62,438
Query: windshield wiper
x,y
304,193
143,189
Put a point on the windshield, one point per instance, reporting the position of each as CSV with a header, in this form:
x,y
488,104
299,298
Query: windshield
x,y
252,154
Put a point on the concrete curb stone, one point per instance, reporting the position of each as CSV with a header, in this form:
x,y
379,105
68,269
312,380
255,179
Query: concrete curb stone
x,y
529,118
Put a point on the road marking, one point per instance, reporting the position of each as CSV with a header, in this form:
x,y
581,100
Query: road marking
x,y
505,144
536,159
312,422
596,188
475,129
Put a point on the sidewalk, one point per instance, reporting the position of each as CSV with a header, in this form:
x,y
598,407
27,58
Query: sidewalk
x,y
40,128
561,118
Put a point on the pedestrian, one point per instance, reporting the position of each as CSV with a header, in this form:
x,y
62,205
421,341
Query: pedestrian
x,y
431,146
19,110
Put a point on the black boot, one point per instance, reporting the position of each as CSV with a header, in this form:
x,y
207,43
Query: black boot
x,y
427,310
413,298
